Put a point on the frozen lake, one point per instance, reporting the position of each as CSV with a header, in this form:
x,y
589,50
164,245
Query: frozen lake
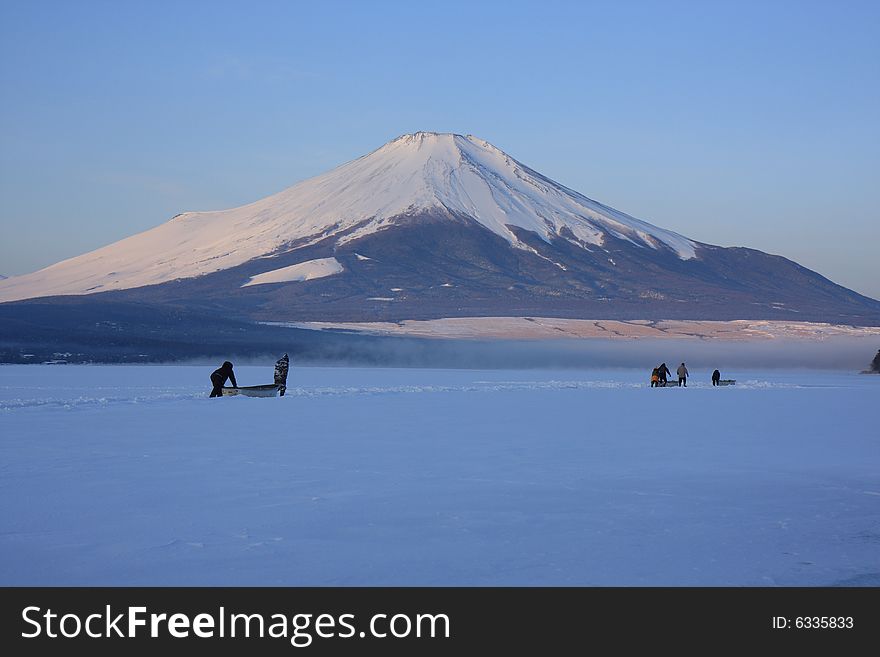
x,y
129,475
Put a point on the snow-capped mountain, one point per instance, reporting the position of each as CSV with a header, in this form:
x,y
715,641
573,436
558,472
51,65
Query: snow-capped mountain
x,y
422,172
437,225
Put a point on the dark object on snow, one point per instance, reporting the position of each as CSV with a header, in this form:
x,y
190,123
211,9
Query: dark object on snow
x,y
664,372
281,367
219,377
875,364
269,390
716,377
727,382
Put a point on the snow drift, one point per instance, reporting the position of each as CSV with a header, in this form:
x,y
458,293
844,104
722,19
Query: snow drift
x,y
303,271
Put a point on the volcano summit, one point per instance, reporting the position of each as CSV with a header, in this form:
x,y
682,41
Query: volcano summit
x,y
440,225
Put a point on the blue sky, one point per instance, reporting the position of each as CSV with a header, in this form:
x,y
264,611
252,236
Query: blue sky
x,y
733,123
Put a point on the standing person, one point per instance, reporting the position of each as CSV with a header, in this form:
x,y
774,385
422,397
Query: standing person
x,y
682,372
716,377
655,377
281,367
219,376
664,372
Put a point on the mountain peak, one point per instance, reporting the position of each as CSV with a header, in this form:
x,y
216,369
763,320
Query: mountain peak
x,y
435,144
429,145
439,145
426,136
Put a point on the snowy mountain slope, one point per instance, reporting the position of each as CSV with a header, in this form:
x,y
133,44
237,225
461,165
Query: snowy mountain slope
x,y
430,267
440,173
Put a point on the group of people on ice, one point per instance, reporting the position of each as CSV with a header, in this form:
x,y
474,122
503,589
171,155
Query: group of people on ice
x,y
660,376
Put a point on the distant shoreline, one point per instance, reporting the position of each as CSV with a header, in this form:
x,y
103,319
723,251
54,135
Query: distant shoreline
x,y
543,328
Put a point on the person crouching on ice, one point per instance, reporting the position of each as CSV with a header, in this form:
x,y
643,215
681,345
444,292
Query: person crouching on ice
x,y
281,368
219,376
655,378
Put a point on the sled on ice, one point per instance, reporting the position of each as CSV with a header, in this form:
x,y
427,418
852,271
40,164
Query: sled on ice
x,y
727,382
269,390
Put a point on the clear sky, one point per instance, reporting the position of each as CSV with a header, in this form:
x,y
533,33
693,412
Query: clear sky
x,y
733,123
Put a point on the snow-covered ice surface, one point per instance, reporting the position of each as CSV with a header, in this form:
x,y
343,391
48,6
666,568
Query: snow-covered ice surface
x,y
421,172
115,475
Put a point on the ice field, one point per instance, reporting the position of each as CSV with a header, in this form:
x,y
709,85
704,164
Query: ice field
x,y
130,475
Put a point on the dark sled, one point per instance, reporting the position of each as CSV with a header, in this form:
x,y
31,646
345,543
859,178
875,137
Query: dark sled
x,y
270,390
727,382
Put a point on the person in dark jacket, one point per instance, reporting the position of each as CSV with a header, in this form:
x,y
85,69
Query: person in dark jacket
x,y
664,372
219,376
281,368
682,372
716,377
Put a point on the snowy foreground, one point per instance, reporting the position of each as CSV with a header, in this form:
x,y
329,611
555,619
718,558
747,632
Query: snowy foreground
x,y
131,476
